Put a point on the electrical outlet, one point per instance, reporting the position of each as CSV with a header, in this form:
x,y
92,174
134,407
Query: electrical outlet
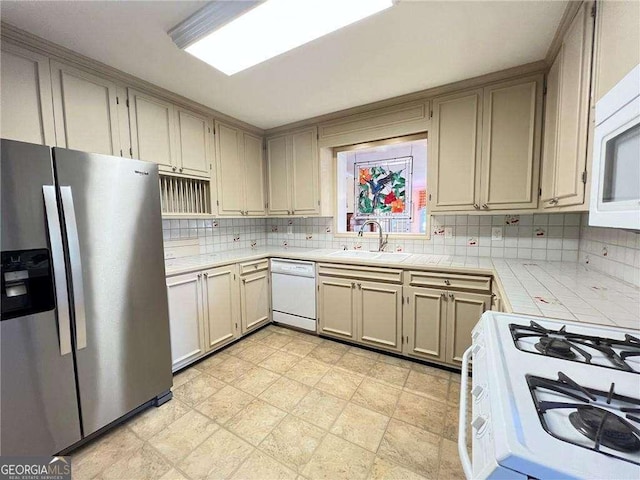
x,y
496,233
448,232
289,230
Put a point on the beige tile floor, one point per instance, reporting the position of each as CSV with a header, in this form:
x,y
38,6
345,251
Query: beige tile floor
x,y
286,405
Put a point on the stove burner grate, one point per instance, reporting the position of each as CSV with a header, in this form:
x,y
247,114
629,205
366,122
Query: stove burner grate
x,y
555,347
616,429
612,432
576,347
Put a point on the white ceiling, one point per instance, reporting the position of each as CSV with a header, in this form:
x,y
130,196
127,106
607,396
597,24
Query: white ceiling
x,y
409,47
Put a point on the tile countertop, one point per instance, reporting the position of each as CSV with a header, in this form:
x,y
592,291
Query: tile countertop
x,y
565,290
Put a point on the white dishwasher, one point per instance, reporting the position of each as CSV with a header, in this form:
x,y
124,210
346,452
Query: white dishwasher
x,y
293,293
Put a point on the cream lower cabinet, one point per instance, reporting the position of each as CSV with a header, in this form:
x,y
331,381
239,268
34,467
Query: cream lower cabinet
x,y
438,323
360,310
425,323
463,312
186,318
336,307
254,300
221,305
379,315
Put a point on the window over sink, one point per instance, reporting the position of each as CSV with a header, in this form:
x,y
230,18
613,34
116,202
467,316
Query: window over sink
x,y
385,181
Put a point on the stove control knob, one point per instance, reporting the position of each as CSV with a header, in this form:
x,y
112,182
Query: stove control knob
x,y
479,424
477,392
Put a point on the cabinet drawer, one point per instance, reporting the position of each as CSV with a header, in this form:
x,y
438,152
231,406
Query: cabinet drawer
x,y
391,275
256,266
448,280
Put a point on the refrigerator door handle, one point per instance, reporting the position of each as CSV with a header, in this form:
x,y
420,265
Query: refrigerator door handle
x,y
59,272
76,266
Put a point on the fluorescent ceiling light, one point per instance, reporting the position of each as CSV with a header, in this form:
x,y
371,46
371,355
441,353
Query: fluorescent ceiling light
x,y
275,27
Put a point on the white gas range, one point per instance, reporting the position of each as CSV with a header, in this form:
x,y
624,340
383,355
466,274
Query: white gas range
x,y
551,399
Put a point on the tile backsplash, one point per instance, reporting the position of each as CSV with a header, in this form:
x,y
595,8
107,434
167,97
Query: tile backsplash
x,y
557,236
216,234
613,251
541,237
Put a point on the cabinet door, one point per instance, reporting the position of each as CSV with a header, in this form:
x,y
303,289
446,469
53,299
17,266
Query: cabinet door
x,y
379,315
193,134
336,307
254,300
152,130
573,112
425,323
455,148
222,306
253,175
463,312
549,149
185,318
279,187
511,144
304,172
26,103
230,170
85,111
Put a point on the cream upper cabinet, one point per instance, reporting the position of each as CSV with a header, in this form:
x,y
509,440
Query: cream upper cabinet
x,y
27,105
455,144
278,176
240,172
253,175
152,123
511,144
336,307
616,40
230,170
304,172
424,320
484,148
379,315
186,318
193,133
463,312
85,111
254,300
222,306
567,115
293,173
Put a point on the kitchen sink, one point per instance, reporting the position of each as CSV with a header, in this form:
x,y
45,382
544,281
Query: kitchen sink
x,y
367,255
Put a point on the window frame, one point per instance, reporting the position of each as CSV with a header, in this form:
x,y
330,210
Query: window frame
x,y
373,144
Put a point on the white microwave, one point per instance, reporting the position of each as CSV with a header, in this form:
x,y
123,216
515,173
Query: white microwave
x,y
615,191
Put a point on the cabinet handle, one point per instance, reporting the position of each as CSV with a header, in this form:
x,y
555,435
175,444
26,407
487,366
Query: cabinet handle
x,y
447,282
360,286
553,201
174,168
476,206
485,206
353,285
180,169
443,295
451,296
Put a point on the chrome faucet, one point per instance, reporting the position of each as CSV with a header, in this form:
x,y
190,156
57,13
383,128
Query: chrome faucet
x,y
381,243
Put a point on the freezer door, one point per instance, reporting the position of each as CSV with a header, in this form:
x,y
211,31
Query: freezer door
x,y
38,404
112,217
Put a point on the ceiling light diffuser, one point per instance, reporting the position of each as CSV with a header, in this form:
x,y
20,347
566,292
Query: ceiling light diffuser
x,y
277,26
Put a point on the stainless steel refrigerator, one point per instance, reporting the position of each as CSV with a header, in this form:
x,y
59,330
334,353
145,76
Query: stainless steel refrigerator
x,y
85,325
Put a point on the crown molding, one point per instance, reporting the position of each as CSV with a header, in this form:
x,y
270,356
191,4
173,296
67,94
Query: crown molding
x,y
565,22
19,37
